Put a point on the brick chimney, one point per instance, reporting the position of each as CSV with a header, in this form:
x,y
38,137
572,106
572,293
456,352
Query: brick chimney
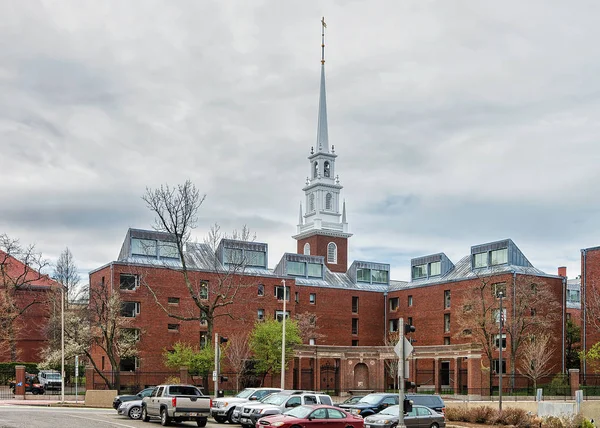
x,y
562,271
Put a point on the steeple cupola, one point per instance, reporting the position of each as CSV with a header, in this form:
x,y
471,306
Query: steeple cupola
x,y
323,227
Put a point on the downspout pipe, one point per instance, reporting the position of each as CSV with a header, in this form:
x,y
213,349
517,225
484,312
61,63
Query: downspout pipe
x,y
584,300
385,303
564,320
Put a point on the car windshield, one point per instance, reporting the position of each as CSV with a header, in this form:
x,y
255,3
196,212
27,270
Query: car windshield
x,y
392,410
276,399
245,393
299,412
53,376
370,399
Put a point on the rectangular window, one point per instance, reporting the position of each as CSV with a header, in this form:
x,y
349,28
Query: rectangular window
x,y
354,304
173,328
203,290
130,309
467,332
173,300
393,325
167,250
394,303
499,257
379,276
128,281
410,301
315,270
312,298
279,315
419,271
435,268
354,342
233,256
260,314
131,333
256,258
497,341
409,321
497,316
573,296
297,297
143,247
363,275
446,323
203,339
354,325
203,320
261,290
499,287
446,299
129,364
446,341
496,366
311,341
480,260
296,268
102,282
279,292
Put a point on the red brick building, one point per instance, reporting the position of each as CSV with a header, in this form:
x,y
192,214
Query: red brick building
x,y
356,304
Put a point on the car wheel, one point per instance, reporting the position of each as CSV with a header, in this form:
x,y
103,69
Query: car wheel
x,y
230,416
220,419
201,422
135,412
145,417
434,425
35,391
394,426
295,426
165,420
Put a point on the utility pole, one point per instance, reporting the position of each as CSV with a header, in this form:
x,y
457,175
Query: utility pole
x,y
401,375
283,337
500,340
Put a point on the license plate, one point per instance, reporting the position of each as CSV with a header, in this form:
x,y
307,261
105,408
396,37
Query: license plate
x,y
193,414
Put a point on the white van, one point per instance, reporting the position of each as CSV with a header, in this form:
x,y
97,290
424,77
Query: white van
x,y
50,379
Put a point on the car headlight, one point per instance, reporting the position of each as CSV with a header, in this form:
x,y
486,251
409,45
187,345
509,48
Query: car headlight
x,y
277,424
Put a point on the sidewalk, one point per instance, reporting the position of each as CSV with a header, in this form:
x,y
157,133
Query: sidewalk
x,y
42,402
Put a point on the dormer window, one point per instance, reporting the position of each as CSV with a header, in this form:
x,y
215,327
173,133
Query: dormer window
x,y
315,169
331,253
499,257
328,198
307,249
326,169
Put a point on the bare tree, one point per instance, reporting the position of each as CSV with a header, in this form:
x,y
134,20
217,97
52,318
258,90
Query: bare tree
x,y
237,354
66,274
308,326
20,270
536,353
176,210
392,365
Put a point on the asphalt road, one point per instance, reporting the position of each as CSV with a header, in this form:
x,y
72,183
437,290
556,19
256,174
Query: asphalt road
x,y
75,417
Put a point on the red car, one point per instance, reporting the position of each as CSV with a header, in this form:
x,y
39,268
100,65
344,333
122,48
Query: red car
x,y
317,416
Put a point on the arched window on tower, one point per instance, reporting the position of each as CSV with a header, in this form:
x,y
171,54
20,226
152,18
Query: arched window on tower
x,y
328,199
326,169
307,249
315,169
331,253
311,202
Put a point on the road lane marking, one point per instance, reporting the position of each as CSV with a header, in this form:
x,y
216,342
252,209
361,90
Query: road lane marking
x,y
102,420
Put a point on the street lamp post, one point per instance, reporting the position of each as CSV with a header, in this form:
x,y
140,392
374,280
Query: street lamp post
x,y
283,338
500,343
62,343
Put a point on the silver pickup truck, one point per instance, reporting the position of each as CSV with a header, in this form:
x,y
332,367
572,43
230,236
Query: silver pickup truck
x,y
177,403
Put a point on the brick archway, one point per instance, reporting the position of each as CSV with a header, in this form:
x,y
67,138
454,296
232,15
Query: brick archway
x,y
361,376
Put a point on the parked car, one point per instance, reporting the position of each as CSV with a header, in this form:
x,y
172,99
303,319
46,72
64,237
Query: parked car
x,y
176,403
278,403
371,404
132,408
51,379
313,416
123,398
222,408
434,402
237,411
418,417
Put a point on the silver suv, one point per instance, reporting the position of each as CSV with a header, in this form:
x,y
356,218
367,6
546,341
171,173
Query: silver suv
x,y
279,402
222,408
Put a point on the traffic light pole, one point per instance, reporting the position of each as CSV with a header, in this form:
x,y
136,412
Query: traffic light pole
x,y
401,360
216,371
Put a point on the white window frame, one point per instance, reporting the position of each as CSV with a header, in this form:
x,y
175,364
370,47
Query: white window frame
x,y
332,253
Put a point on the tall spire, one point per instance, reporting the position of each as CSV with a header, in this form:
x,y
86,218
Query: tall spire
x,y
300,218
322,133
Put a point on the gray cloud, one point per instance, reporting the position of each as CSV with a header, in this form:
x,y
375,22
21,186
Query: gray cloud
x,y
455,124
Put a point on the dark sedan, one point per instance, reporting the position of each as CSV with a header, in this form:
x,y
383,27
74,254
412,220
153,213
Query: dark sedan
x,y
123,398
316,416
419,417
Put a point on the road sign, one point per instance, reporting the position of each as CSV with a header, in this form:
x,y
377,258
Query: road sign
x,y
408,348
214,375
76,365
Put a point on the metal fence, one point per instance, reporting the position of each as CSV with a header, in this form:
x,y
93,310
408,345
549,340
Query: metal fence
x,y
7,374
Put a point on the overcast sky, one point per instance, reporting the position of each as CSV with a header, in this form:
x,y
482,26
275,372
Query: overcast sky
x,y
455,123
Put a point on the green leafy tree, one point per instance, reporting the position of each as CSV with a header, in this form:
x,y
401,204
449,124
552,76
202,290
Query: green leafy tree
x,y
572,345
200,362
265,343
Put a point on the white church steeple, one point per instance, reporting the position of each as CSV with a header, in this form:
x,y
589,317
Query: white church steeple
x,y
322,191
